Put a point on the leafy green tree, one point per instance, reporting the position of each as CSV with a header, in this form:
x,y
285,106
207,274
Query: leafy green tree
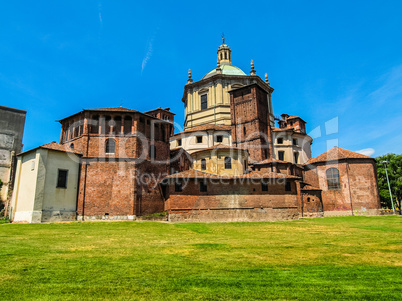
x,y
394,168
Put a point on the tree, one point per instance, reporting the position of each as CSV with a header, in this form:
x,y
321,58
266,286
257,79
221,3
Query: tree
x,y
394,169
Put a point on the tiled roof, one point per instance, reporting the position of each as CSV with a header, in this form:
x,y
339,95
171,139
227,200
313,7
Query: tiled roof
x,y
337,153
55,146
116,109
271,160
196,174
206,127
309,187
59,147
219,146
282,130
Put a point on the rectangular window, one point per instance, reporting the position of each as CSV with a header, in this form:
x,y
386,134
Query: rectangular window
x,y
203,187
288,187
178,187
295,142
199,139
264,187
228,163
62,178
204,101
178,142
219,139
296,156
281,156
279,140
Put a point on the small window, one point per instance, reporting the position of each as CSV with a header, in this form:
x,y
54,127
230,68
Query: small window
x,y
110,147
264,187
295,142
226,55
308,200
178,142
72,145
203,187
281,155
333,179
244,130
204,101
228,163
203,164
288,187
199,139
178,187
279,140
219,139
62,178
296,157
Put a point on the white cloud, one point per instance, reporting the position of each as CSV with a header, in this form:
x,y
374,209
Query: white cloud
x,y
366,151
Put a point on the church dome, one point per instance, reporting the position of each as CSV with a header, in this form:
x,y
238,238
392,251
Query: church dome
x,y
227,70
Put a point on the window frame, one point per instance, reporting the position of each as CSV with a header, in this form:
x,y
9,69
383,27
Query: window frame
x,y
198,139
58,185
333,179
283,155
279,139
219,138
204,101
228,162
108,146
203,164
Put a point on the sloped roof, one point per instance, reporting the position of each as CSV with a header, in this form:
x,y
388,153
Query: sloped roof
x,y
219,146
309,187
271,160
196,174
57,147
337,153
115,109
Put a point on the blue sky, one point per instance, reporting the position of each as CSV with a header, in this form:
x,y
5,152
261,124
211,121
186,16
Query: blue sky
x,y
337,64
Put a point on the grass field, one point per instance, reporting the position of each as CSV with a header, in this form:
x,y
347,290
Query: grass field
x,y
317,259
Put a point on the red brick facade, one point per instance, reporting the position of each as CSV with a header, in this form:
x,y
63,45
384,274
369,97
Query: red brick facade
x,y
250,121
125,156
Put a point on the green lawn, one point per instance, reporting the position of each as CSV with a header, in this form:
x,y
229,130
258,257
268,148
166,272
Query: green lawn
x,y
317,259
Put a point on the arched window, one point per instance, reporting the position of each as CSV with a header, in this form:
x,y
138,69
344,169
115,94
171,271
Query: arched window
x,y
72,145
228,163
203,164
333,179
226,55
110,146
127,125
94,123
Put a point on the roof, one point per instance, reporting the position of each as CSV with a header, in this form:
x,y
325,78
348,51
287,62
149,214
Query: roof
x,y
114,109
55,146
196,174
227,70
271,160
206,127
219,146
282,130
309,187
335,154
160,109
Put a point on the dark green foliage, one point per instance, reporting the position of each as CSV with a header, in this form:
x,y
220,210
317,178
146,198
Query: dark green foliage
x,y
394,169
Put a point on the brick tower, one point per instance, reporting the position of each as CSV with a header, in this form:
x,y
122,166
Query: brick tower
x,y
250,119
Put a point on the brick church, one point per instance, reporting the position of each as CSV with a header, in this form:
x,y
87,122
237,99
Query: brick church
x,y
230,163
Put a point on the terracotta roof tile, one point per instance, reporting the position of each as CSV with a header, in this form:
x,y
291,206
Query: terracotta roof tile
x,y
309,187
337,153
116,109
196,174
205,127
219,146
59,147
271,160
